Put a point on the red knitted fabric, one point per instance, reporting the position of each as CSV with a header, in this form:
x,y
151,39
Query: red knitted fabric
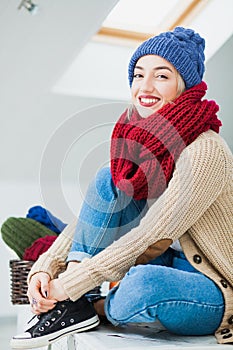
x,y
38,247
144,150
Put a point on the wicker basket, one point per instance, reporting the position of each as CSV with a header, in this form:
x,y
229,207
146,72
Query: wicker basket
x,y
19,270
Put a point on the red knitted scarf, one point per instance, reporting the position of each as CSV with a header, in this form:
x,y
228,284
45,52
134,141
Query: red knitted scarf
x,y
144,150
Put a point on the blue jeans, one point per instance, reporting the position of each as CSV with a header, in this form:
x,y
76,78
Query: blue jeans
x,y
106,214
170,290
167,289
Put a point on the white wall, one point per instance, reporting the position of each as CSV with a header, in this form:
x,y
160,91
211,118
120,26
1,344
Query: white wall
x,y
219,77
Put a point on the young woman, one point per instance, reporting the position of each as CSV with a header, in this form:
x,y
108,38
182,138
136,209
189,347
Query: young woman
x,y
173,258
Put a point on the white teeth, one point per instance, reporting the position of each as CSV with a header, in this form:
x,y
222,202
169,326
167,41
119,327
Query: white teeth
x,y
149,100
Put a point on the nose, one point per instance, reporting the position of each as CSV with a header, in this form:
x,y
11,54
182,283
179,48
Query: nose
x,y
147,84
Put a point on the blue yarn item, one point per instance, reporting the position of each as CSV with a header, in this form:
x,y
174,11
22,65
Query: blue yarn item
x,y
44,216
183,48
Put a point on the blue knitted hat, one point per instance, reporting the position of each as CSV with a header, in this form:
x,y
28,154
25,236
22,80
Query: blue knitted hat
x,y
183,48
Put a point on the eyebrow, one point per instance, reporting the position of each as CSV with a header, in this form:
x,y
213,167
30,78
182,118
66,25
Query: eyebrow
x,y
156,68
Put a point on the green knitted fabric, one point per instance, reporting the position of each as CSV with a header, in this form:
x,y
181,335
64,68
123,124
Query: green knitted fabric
x,y
20,233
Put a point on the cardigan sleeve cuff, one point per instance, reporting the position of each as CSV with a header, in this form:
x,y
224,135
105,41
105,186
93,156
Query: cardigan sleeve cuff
x,y
77,281
47,264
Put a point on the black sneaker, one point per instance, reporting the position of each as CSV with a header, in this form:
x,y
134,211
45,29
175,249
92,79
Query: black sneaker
x,y
66,318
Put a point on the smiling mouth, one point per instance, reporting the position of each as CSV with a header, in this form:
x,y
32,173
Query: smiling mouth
x,y
148,101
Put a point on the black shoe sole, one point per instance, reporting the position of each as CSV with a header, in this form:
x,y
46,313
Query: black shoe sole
x,y
38,342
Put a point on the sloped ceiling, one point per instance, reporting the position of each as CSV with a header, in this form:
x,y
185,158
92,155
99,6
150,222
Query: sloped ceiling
x,y
35,51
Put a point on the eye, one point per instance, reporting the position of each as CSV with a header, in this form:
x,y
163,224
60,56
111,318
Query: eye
x,y
137,76
162,76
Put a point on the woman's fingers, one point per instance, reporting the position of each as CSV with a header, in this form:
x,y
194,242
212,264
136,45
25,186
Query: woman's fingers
x,y
45,285
42,305
38,293
34,296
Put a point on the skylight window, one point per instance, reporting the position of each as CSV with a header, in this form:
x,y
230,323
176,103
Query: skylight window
x,y
147,16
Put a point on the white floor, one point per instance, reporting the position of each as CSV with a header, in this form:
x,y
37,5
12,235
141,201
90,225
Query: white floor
x,y
142,337
8,327
105,337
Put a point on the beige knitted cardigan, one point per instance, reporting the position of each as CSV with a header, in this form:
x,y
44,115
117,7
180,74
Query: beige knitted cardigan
x,y
196,208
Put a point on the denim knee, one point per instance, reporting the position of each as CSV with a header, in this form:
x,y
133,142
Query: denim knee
x,y
151,292
121,300
105,187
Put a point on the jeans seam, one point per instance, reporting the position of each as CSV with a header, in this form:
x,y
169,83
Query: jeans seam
x,y
138,209
103,229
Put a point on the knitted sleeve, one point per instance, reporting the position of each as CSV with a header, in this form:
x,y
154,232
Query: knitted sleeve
x,y
198,179
53,260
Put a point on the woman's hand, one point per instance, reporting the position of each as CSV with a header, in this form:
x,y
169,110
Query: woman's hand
x,y
56,290
39,293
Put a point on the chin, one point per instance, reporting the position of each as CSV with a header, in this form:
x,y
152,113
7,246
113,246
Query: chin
x,y
146,111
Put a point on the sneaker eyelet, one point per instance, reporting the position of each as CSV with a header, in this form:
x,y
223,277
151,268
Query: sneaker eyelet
x,y
59,312
63,323
71,320
41,329
47,323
